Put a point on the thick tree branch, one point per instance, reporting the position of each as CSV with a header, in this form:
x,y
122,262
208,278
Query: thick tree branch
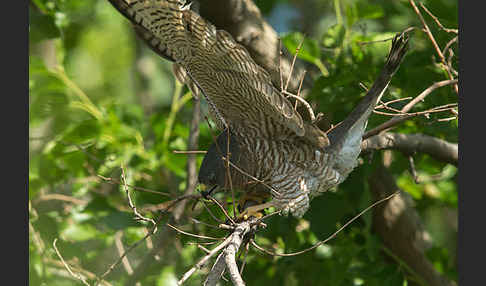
x,y
401,230
230,252
412,143
227,256
216,271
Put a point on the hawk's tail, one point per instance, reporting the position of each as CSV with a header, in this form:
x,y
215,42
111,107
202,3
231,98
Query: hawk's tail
x,y
348,134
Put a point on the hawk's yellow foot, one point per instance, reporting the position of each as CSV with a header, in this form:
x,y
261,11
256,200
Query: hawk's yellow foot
x,y
254,211
252,204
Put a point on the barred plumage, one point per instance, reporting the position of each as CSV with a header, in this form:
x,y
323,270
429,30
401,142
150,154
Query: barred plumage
x,y
292,159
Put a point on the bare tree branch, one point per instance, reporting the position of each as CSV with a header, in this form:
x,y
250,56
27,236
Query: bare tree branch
x,y
231,250
203,261
216,271
412,143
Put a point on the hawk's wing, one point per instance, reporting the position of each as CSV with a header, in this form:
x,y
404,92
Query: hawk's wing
x,y
237,89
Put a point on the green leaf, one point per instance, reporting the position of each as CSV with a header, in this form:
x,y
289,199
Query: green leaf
x,y
167,277
86,130
118,221
369,11
334,36
41,27
79,231
352,13
309,51
328,210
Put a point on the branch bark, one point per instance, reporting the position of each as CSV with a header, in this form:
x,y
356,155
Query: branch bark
x,y
216,271
400,227
230,252
412,143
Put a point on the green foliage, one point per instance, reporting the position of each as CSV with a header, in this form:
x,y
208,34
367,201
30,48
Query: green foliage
x,y
99,99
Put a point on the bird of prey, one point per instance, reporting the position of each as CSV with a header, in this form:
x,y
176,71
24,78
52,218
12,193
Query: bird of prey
x,y
266,151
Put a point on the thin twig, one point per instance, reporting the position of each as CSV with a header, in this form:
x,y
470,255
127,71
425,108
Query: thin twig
x,y
327,239
86,273
203,261
260,220
191,234
222,209
195,221
447,119
434,43
149,233
398,119
392,101
114,181
189,152
132,206
297,50
300,88
425,112
228,173
247,248
307,105
120,259
119,248
211,213
426,92
449,44
275,192
203,248
60,197
77,276
455,31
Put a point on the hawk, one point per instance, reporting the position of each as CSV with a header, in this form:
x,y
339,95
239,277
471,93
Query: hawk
x,y
266,150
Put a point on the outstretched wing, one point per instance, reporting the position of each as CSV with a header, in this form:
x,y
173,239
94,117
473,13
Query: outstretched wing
x,y
237,89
